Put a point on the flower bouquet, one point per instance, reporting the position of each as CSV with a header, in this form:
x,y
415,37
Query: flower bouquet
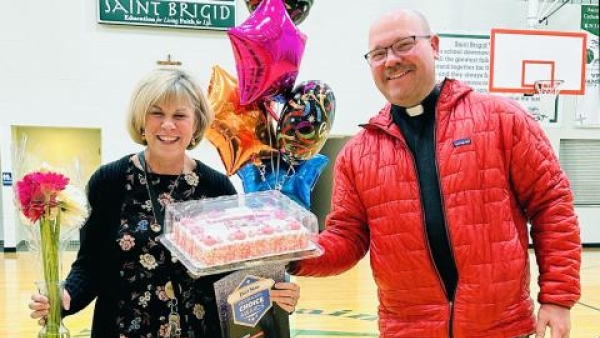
x,y
50,208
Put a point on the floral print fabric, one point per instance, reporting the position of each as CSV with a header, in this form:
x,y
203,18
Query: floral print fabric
x,y
153,289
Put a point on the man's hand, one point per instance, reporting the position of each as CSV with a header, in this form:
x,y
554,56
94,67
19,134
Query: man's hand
x,y
556,317
286,295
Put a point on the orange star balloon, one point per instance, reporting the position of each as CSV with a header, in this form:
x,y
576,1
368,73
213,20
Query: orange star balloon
x,y
240,133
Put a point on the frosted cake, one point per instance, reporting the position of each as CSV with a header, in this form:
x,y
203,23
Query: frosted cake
x,y
237,234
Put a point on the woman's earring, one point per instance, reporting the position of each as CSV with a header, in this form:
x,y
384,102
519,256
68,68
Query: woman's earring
x,y
193,142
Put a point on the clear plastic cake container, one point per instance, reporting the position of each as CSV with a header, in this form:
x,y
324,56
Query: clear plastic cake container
x,y
216,235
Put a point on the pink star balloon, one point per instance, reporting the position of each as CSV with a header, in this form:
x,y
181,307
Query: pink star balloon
x,y
268,48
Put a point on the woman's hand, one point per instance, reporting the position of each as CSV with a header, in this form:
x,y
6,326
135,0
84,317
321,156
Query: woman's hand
x,y
40,305
286,295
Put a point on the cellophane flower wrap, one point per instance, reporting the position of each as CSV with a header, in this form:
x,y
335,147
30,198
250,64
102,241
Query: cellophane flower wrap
x,y
51,208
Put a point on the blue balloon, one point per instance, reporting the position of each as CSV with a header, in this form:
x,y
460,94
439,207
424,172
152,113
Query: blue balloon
x,y
295,181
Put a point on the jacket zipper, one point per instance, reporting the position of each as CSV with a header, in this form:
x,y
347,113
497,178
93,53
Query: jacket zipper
x,y
427,241
437,171
451,322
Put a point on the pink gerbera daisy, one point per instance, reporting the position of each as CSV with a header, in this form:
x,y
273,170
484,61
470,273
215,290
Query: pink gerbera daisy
x,y
37,190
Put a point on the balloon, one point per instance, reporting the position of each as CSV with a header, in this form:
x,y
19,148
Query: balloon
x,y
268,49
296,182
240,133
296,9
305,121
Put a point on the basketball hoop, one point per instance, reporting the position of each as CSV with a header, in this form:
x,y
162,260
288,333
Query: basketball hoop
x,y
547,91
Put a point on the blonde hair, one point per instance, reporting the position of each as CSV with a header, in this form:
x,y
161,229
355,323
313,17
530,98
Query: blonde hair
x,y
167,85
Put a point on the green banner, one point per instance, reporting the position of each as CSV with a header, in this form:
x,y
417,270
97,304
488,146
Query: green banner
x,y
214,15
589,19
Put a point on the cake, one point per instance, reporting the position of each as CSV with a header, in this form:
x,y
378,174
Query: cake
x,y
238,234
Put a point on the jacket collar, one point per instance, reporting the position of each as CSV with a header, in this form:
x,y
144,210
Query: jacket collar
x,y
451,91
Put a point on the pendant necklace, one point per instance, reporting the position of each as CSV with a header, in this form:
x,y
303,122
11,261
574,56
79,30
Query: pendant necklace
x,y
157,210
174,324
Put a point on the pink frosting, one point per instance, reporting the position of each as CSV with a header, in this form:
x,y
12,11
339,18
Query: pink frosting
x,y
267,230
209,240
279,214
238,235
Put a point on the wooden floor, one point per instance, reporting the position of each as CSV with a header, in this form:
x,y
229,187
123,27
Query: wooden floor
x,y
342,306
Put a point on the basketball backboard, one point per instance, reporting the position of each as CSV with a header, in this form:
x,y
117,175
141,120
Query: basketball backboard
x,y
518,58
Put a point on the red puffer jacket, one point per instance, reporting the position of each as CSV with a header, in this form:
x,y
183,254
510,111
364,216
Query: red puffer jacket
x,y
497,170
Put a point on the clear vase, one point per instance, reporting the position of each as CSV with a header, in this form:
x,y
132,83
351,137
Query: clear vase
x,y
53,325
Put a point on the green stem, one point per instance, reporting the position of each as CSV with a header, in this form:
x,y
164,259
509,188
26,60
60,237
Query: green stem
x,y
50,232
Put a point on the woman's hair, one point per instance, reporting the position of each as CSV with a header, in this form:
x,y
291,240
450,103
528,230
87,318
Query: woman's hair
x,y
167,85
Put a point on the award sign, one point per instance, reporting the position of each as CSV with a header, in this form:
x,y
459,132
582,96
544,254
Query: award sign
x,y
245,307
250,300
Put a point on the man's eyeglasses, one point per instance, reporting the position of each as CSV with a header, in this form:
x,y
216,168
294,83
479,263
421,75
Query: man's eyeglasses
x,y
401,47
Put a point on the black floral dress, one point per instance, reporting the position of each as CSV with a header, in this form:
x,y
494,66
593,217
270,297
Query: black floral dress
x,y
154,290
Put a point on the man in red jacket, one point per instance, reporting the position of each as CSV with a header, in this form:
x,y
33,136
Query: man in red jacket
x,y
439,187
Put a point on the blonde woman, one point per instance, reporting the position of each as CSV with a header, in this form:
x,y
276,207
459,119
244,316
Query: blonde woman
x,y
139,290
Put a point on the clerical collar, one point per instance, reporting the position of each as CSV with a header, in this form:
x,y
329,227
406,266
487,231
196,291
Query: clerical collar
x,y
416,110
428,104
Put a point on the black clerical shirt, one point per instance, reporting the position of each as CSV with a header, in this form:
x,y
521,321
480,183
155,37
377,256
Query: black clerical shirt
x,y
419,132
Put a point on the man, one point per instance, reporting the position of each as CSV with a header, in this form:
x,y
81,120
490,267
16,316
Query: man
x,y
439,186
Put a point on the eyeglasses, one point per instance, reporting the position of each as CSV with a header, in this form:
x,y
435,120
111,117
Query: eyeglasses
x,y
401,47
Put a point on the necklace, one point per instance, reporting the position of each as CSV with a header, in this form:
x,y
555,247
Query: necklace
x,y
174,326
156,210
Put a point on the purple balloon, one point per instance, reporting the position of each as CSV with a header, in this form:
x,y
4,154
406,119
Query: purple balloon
x,y
268,49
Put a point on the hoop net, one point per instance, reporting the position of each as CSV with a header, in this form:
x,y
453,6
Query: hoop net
x,y
548,91
551,87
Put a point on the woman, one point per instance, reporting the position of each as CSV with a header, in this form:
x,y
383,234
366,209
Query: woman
x,y
139,290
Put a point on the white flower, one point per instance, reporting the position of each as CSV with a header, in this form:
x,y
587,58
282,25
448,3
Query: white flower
x,y
199,311
147,205
148,261
191,179
46,168
74,208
